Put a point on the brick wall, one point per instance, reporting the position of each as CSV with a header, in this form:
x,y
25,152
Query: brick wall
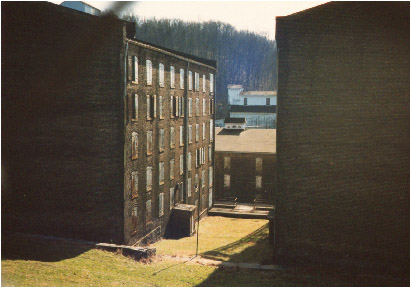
x,y
156,224
343,132
62,122
243,174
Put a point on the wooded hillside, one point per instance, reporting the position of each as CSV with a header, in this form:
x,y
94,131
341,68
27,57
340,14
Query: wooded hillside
x,y
242,57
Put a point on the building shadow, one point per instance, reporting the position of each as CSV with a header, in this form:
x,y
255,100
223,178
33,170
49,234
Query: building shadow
x,y
259,249
18,246
234,132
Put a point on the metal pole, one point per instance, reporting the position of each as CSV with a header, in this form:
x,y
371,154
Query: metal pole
x,y
198,218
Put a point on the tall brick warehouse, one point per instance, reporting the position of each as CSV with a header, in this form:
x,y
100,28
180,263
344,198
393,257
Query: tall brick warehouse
x,y
101,132
343,133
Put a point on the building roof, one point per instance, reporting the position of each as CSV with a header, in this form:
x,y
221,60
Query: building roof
x,y
251,140
234,120
259,93
254,108
234,86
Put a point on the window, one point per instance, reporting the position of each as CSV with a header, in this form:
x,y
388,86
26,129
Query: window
x,y
154,106
181,136
189,187
197,107
209,153
172,77
258,165
134,215
148,211
134,184
149,142
172,107
204,83
204,107
226,181
245,101
161,75
161,173
171,169
211,130
190,136
172,138
204,129
171,197
197,132
134,107
226,163
149,70
211,83
196,180
149,178
267,101
190,80
161,144
176,106
130,74
160,107
210,176
197,158
181,78
148,107
189,161
180,105
134,145
189,107
135,69
210,106
203,155
160,204
210,197
258,182
197,81
203,178
181,165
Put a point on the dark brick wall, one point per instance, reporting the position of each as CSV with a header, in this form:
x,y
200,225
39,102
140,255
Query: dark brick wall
x,y
343,132
243,174
62,122
157,225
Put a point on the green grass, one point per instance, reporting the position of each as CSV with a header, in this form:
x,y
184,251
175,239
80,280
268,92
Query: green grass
x,y
226,239
30,261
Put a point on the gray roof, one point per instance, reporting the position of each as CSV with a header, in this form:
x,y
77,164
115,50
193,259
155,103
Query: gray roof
x,y
248,141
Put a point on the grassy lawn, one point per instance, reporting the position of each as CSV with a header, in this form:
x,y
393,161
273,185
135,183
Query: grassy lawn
x,y
33,262
226,239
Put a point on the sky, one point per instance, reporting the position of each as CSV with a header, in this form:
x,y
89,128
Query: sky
x,y
256,16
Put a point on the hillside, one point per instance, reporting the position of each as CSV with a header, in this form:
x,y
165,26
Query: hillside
x,y
242,57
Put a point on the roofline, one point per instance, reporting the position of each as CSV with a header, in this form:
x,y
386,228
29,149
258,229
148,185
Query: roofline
x,y
299,13
248,152
176,54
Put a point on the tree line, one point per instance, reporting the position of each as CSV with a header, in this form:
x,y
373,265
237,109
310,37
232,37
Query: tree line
x,y
242,57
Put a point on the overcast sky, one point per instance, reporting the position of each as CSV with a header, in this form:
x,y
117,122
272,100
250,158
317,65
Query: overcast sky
x,y
256,16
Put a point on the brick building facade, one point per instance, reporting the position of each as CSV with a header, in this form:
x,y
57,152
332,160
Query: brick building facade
x,y
88,116
245,162
343,133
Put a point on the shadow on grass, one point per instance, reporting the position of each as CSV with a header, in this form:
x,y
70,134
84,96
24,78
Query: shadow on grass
x,y
254,248
17,246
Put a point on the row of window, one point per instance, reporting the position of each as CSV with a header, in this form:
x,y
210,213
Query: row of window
x,y
134,206
149,178
161,140
267,101
227,181
258,164
176,107
133,76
